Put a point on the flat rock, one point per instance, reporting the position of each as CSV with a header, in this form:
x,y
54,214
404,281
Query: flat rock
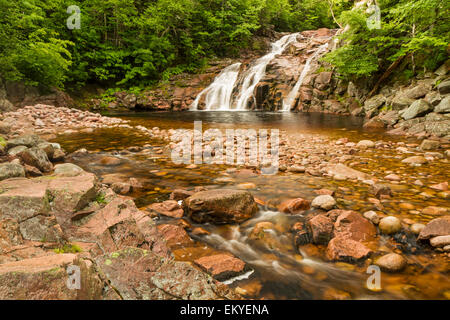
x,y
221,266
346,249
435,228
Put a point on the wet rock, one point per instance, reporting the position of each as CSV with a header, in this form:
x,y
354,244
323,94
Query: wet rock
x,y
169,208
343,172
335,294
417,109
264,233
417,228
11,170
415,160
110,161
352,225
324,202
374,123
221,266
180,194
440,241
347,250
294,206
221,206
297,169
122,188
443,106
45,278
302,234
381,190
137,274
435,211
365,144
443,186
429,145
372,216
37,158
390,225
392,177
322,192
391,262
321,229
435,228
246,186
174,235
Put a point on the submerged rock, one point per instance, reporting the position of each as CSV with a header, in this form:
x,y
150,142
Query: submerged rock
x,y
221,206
390,225
391,262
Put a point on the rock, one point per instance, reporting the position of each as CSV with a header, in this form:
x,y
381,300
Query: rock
x,y
416,228
221,206
23,198
42,228
302,234
26,140
335,294
246,186
11,170
345,249
45,278
180,194
264,233
418,91
321,192
122,188
365,144
391,262
372,216
390,225
174,235
32,171
16,150
9,234
37,158
429,145
443,106
393,177
58,155
374,123
342,171
415,160
444,87
374,103
435,228
390,118
324,202
417,109
110,161
6,105
434,211
137,274
297,169
67,170
321,229
48,148
169,208
352,225
294,206
221,266
381,190
440,241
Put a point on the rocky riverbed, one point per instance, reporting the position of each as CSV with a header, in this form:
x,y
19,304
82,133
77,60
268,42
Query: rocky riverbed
x,y
342,201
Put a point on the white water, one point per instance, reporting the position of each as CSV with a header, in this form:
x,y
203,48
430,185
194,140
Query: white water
x,y
258,70
218,94
289,100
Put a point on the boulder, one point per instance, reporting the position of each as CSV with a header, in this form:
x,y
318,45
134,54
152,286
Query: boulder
x,y
294,206
221,206
16,150
11,170
352,225
444,87
390,225
67,170
391,262
324,202
221,266
174,235
137,274
36,157
321,229
418,91
430,144
417,109
443,106
346,249
46,278
440,241
26,140
42,228
435,228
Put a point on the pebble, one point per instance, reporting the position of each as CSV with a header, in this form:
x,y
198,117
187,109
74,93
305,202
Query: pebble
x,y
390,225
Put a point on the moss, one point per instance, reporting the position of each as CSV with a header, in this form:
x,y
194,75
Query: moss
x,y
68,248
2,142
100,199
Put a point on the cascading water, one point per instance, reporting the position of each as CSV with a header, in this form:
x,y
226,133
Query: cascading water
x,y
289,100
218,94
258,70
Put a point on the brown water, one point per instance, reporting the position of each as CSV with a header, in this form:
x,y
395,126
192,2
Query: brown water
x,y
280,271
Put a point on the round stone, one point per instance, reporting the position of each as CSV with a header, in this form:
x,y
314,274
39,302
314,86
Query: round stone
x,y
391,262
324,202
390,225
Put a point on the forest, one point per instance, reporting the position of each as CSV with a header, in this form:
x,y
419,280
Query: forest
x,y
136,43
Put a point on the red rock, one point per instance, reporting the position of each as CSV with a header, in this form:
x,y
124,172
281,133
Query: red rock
x,y
352,225
221,266
443,186
346,249
435,228
325,192
169,208
321,229
294,206
174,235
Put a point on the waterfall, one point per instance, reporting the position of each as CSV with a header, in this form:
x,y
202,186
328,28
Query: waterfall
x,y
258,70
218,94
289,100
